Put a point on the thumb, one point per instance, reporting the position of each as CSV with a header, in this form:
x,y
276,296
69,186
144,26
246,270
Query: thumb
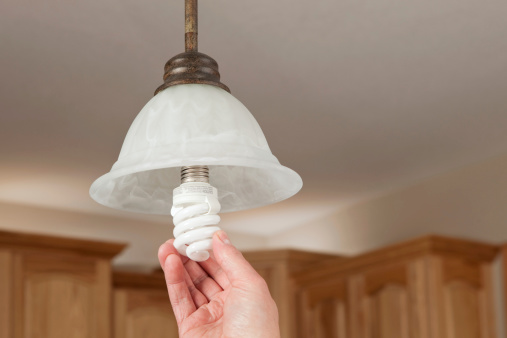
x,y
236,267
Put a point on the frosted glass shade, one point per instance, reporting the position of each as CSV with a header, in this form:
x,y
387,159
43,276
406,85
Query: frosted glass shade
x,y
194,124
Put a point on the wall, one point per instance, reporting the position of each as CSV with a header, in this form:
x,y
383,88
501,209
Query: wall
x,y
470,202
143,237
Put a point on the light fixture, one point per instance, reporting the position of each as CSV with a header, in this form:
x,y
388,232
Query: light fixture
x,y
193,132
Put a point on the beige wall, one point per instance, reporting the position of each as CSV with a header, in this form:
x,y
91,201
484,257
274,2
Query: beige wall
x,y
470,202
143,237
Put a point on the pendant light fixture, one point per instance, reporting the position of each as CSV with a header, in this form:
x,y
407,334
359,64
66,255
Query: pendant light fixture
x,y
192,151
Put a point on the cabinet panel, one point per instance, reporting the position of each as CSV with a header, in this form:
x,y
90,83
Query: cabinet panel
x,y
324,311
462,291
328,319
386,310
59,296
143,313
461,307
5,294
277,278
58,306
387,313
388,301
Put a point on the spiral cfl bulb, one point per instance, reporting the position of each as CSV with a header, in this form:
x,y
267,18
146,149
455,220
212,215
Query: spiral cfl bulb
x,y
194,211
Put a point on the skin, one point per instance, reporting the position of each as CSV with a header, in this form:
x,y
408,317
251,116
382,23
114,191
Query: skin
x,y
221,297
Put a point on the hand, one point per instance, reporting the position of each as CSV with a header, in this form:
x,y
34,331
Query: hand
x,y
221,297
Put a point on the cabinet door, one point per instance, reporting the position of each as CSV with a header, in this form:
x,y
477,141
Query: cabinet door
x,y
61,296
323,311
388,302
5,294
462,296
277,278
143,313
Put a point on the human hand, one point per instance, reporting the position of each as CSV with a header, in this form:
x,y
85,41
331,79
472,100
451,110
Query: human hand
x,y
221,297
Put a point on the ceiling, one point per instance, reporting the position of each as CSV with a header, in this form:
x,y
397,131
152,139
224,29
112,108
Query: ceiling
x,y
359,97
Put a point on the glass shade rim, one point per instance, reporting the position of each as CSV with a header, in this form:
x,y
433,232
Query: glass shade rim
x,y
289,191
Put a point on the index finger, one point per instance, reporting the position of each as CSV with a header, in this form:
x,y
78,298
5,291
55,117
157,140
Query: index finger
x,y
179,294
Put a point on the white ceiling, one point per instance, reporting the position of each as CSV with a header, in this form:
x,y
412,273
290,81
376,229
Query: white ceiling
x,y
359,97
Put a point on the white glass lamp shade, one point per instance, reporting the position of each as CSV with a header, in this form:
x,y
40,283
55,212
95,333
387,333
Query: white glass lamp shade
x,y
194,124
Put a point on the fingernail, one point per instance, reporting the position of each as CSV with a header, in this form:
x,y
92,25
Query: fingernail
x,y
223,237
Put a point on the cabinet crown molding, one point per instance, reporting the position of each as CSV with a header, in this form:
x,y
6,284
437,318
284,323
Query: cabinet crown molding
x,y
426,245
287,255
19,240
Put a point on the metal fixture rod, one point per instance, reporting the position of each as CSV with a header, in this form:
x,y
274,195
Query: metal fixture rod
x,y
190,25
195,173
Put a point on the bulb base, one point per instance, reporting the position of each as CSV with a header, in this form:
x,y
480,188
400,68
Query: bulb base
x,y
195,173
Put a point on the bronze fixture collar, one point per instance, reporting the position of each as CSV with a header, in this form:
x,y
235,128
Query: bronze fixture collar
x,y
191,66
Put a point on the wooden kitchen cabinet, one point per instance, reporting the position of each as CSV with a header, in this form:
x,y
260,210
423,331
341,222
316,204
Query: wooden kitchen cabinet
x,y
141,306
278,268
386,301
462,298
325,310
53,287
432,287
